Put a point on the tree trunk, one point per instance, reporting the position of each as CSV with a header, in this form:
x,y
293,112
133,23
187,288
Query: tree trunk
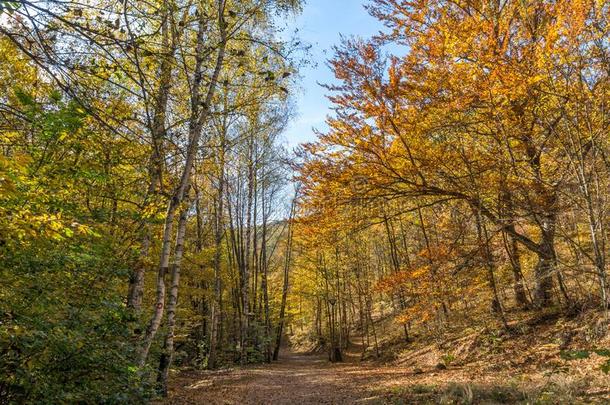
x,y
512,247
595,221
199,114
264,280
546,263
245,286
396,267
158,134
218,237
287,261
168,345
489,264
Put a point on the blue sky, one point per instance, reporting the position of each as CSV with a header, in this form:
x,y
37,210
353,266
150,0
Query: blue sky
x,y
321,25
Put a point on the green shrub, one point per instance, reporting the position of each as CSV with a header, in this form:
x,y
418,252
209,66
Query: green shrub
x,y
64,331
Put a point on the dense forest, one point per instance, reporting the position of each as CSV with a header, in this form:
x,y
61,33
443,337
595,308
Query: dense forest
x,y
153,220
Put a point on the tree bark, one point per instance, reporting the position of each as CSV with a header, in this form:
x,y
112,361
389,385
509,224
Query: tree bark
x,y
168,345
199,114
218,237
512,247
158,134
483,238
264,279
287,262
546,263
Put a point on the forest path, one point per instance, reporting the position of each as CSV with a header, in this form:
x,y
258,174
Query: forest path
x,y
295,379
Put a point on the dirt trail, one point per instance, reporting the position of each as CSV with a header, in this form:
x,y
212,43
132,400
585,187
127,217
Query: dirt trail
x,y
521,370
311,379
296,379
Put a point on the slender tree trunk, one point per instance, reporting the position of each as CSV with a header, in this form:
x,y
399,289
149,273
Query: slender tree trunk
x,y
218,237
264,280
287,262
201,306
245,287
168,346
434,276
199,115
512,247
158,134
255,263
396,266
489,263
595,223
155,321
369,310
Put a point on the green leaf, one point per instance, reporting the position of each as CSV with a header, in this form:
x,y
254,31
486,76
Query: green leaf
x,y
606,367
602,352
574,354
